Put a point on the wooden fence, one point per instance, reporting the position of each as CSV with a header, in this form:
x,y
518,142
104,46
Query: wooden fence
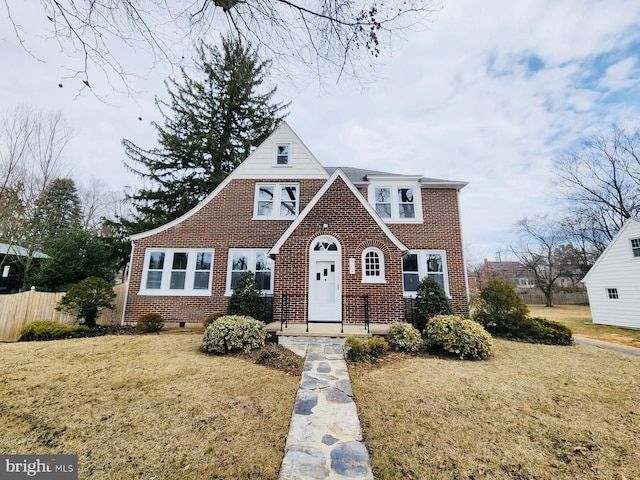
x,y
559,298
20,309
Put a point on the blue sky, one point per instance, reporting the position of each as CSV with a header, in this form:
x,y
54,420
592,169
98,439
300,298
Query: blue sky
x,y
489,93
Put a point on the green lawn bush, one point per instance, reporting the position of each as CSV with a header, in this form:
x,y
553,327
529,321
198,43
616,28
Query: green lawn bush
x,y
431,300
404,337
458,336
234,334
499,309
150,323
371,349
541,330
44,330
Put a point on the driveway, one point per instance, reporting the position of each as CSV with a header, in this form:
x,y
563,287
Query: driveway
x,y
607,346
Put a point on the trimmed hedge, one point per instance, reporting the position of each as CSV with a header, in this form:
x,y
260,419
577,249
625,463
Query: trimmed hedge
x,y
150,323
44,330
404,337
541,330
234,334
458,336
371,349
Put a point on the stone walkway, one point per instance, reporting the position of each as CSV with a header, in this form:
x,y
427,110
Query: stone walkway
x,y
325,438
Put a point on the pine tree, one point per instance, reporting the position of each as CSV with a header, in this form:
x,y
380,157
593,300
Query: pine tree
x,y
57,211
209,127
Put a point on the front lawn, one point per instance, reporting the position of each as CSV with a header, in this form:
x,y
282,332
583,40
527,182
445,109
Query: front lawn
x,y
529,412
145,407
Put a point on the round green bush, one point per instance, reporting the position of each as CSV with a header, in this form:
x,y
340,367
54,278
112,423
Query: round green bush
x,y
545,331
371,349
150,323
404,337
234,333
41,330
458,336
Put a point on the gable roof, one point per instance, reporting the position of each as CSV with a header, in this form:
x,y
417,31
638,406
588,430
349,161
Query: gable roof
x,y
246,170
18,251
628,224
337,173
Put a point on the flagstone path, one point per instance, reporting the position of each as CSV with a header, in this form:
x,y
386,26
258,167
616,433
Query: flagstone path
x,y
325,438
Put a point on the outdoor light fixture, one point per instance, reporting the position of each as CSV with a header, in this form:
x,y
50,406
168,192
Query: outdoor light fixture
x,y
325,224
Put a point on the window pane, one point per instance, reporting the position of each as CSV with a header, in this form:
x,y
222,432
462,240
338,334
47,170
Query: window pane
x,y
177,280
383,195
263,280
289,193
411,281
405,195
410,263
265,209
438,277
288,209
235,276
201,281
384,210
407,210
203,261
434,262
262,262
156,260
265,193
154,279
179,261
282,155
372,264
240,261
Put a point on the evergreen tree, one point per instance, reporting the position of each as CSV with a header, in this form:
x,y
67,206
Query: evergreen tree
x,y
57,211
431,300
209,127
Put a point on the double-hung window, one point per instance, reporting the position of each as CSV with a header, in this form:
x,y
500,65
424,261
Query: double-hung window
x,y
635,247
419,264
397,203
282,154
276,201
252,260
177,272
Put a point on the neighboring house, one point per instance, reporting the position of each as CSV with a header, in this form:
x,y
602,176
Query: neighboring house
x,y
613,283
12,261
513,273
325,244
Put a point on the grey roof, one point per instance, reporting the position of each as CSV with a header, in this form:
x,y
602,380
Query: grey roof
x,y
19,251
359,176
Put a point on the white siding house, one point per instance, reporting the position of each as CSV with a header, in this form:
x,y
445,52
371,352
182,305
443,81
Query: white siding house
x,y
613,283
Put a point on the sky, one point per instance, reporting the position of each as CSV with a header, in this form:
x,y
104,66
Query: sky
x,y
488,93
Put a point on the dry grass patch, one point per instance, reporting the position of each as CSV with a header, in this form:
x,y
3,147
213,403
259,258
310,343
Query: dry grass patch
x,y
145,407
530,412
578,319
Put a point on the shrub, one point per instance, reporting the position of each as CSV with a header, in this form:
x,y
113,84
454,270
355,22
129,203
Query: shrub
x,y
87,299
404,337
245,299
371,349
234,333
430,301
212,317
458,336
44,330
500,310
280,358
545,331
149,323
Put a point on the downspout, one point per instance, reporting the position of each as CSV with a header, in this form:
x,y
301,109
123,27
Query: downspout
x,y
464,259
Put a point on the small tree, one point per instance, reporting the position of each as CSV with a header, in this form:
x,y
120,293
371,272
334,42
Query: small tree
x,y
87,299
499,309
430,301
245,300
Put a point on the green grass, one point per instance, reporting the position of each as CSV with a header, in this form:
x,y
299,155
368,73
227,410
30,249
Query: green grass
x,y
578,319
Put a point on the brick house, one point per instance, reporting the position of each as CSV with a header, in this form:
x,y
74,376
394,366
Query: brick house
x,y
325,244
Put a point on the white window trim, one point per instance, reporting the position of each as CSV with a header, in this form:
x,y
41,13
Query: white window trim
x,y
277,190
372,279
632,247
275,155
422,269
395,212
164,289
253,252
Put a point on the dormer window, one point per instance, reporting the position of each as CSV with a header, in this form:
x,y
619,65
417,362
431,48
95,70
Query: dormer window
x,y
397,203
282,154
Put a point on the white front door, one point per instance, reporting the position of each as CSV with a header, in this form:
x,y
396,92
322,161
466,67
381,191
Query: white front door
x,y
325,295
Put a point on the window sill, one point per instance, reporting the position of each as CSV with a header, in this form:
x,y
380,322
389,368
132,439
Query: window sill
x,y
264,293
280,219
175,293
374,281
403,221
